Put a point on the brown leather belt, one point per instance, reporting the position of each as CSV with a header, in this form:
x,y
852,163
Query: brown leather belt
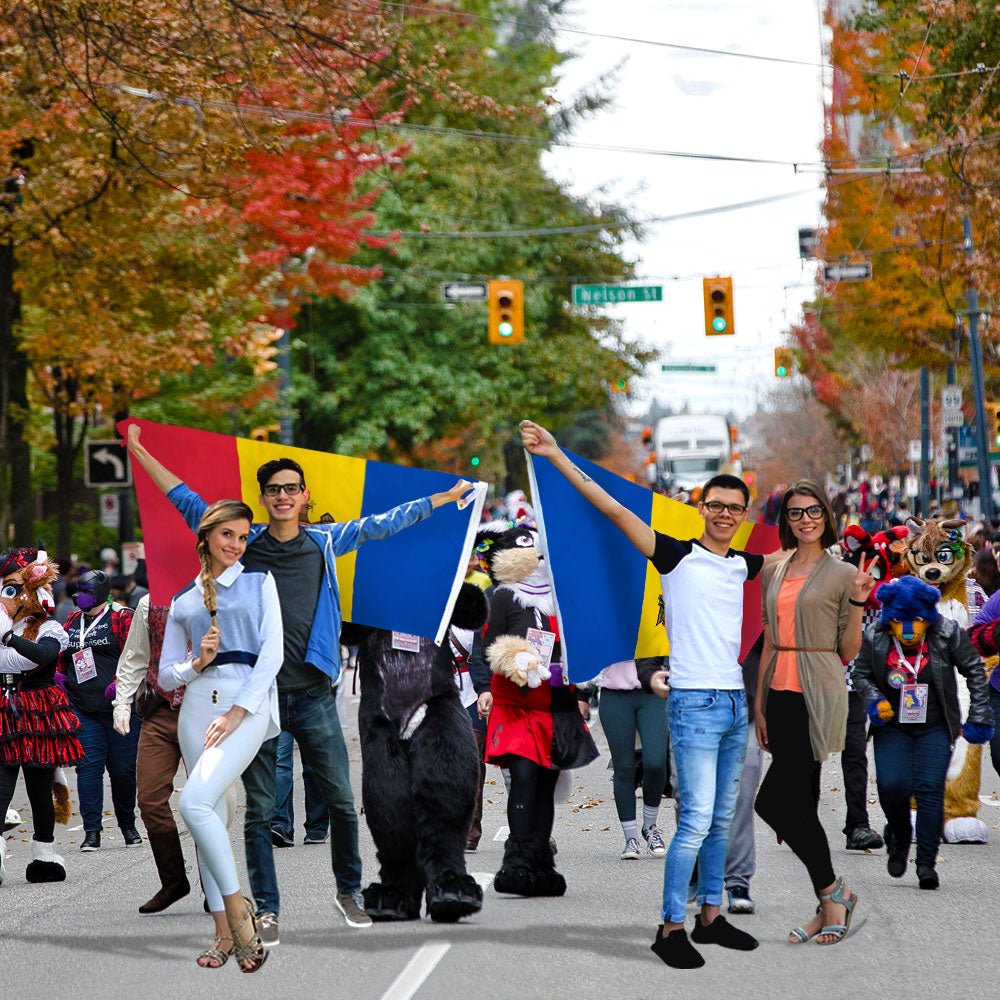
x,y
802,649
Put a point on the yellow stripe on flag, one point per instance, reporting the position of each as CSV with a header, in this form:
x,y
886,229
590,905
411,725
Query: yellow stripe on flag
x,y
680,520
336,486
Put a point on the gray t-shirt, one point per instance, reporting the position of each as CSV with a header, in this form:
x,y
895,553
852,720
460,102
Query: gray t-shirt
x,y
297,568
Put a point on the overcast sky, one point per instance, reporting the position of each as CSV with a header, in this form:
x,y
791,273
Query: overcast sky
x,y
667,99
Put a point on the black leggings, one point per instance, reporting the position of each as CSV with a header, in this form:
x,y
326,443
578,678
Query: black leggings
x,y
38,782
531,808
788,800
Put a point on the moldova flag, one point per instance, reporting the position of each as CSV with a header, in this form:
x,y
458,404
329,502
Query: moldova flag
x,y
609,596
407,583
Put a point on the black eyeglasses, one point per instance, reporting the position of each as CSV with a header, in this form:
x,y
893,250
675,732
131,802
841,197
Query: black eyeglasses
x,y
814,512
717,507
292,489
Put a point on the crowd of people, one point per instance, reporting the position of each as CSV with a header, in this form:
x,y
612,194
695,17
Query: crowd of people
x,y
246,661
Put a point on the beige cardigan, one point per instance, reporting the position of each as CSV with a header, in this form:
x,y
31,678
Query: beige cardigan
x,y
821,614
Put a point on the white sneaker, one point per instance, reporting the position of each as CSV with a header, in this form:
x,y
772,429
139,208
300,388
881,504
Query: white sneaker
x,y
632,850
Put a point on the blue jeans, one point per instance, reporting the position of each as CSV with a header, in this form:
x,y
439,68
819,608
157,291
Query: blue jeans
x,y
106,749
317,815
912,764
311,717
708,734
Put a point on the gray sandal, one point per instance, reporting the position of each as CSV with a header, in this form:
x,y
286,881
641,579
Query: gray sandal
x,y
838,931
801,935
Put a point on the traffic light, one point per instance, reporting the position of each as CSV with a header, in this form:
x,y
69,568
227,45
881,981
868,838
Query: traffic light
x,y
782,362
718,293
620,385
992,424
474,461
264,433
506,309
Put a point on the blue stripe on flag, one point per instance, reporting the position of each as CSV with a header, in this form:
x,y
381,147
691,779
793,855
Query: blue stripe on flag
x,y
405,581
599,576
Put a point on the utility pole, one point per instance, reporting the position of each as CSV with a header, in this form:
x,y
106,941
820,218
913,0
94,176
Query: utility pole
x,y
953,482
925,440
978,381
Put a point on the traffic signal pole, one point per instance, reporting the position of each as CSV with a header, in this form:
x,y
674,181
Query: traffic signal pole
x,y
925,441
978,382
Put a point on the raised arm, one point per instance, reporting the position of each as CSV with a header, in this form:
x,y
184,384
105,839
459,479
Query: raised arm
x,y
538,441
160,474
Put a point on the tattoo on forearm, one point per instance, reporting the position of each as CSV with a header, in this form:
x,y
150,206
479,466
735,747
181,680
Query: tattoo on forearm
x,y
583,475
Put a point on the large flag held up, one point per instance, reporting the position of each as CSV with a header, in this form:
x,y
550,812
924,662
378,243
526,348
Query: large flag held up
x,y
610,601
407,583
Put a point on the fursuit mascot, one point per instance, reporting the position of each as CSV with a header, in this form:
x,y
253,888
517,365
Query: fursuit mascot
x,y
420,769
37,726
535,727
906,673
937,554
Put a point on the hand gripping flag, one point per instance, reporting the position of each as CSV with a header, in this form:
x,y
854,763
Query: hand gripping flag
x,y
407,582
609,597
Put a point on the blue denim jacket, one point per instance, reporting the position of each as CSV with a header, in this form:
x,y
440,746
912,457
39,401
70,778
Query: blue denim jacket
x,y
335,540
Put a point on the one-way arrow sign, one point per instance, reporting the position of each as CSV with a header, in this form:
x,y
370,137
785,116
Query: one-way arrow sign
x,y
106,464
464,291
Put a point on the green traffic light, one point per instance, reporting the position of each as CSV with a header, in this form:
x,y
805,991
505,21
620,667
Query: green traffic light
x,y
781,371
719,324
621,385
505,329
474,461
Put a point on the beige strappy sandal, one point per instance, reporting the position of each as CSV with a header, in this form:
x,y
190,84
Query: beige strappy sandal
x,y
215,957
253,952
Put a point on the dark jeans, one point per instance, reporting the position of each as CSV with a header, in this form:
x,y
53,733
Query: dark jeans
x,y
106,750
854,763
995,742
623,714
788,800
913,765
311,717
317,815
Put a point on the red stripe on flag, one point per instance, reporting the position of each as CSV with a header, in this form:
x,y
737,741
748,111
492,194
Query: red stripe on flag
x,y
209,464
763,540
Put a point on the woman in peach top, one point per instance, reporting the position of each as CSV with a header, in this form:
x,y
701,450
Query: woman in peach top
x,y
812,605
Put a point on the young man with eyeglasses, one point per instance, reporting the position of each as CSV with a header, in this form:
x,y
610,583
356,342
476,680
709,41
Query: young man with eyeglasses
x,y
702,583
301,557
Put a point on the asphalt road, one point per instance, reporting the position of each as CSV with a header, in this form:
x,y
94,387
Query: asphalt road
x,y
84,938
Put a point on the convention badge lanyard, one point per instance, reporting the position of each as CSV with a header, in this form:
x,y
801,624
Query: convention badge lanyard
x,y
83,659
912,696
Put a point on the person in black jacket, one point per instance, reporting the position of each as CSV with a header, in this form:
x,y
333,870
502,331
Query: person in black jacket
x,y
906,674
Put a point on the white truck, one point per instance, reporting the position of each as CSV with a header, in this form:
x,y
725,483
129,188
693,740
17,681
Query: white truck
x,y
692,448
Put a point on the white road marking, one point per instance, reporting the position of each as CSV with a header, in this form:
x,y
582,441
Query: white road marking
x,y
502,834
484,879
989,800
416,971
73,829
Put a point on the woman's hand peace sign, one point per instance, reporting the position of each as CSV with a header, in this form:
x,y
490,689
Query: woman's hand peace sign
x,y
864,582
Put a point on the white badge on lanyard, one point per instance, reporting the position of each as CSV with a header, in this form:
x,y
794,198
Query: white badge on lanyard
x,y
84,664
405,642
913,697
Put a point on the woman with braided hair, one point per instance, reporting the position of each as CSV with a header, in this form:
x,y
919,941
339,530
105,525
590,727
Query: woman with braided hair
x,y
224,642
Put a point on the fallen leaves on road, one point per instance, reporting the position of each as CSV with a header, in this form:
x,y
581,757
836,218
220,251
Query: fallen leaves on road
x,y
589,804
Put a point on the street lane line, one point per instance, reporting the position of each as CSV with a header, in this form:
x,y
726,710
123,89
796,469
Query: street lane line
x,y
502,834
416,971
72,829
483,879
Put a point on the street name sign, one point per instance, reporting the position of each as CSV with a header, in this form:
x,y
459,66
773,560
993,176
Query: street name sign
x,y
463,291
106,464
688,368
599,295
848,272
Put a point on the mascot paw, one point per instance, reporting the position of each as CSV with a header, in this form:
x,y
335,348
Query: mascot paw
x,y
514,658
966,830
386,902
453,896
45,864
879,711
977,732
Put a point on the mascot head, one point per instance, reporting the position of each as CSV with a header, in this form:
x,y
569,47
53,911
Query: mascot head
x,y
882,553
909,608
26,593
509,553
938,554
92,590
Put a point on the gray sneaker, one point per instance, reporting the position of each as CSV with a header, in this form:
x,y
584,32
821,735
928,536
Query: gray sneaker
x,y
654,841
352,906
267,928
632,850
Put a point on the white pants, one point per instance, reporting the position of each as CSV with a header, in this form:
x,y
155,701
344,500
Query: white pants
x,y
203,801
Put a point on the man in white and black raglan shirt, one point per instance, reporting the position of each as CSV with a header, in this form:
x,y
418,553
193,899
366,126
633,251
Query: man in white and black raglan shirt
x,y
707,710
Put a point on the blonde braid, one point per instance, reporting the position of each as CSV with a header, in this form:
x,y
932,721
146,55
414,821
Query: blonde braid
x,y
207,580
